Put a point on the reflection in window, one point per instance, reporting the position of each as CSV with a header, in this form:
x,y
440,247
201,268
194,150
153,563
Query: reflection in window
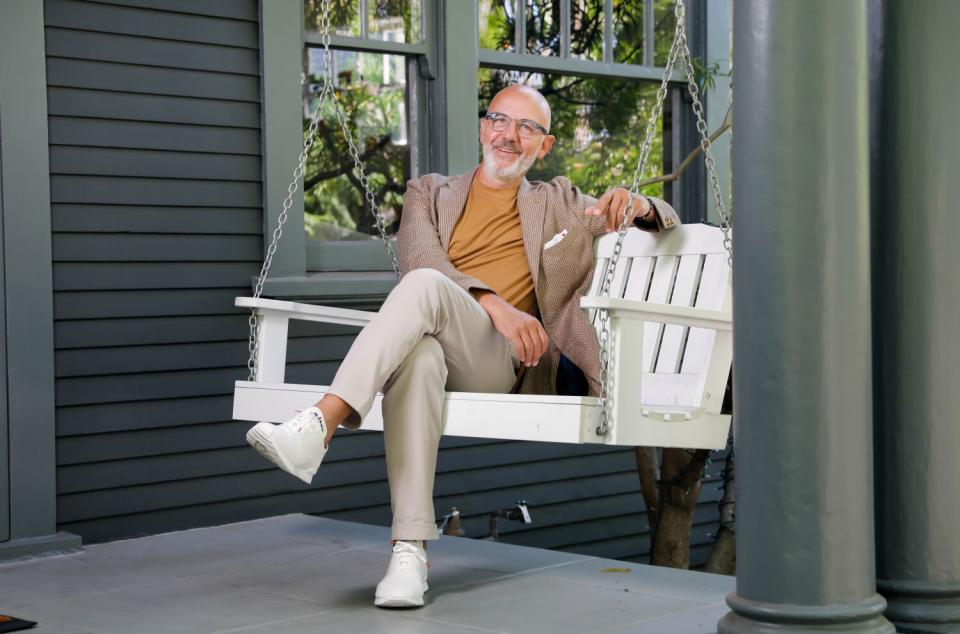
x,y
543,27
372,88
599,125
497,20
586,29
664,24
344,16
394,20
628,32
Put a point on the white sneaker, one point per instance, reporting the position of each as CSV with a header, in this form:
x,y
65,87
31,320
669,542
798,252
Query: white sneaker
x,y
406,578
295,446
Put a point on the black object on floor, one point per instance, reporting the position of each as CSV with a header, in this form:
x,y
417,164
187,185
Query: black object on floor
x,y
13,624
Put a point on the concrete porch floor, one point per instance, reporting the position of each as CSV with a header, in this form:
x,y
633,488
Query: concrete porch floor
x,y
298,573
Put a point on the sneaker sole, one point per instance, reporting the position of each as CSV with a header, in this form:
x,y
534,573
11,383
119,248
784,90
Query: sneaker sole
x,y
397,602
260,437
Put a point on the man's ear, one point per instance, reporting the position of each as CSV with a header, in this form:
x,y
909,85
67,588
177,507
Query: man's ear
x,y
545,147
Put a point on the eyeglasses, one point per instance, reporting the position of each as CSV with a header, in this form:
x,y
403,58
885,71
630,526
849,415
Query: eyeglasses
x,y
526,128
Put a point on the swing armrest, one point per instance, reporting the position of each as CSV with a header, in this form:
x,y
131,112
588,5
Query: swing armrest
x,y
306,312
663,313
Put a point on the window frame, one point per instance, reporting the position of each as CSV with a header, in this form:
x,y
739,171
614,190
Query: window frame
x,y
444,123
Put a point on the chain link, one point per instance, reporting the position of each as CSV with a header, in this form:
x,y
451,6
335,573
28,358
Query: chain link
x,y
327,93
679,49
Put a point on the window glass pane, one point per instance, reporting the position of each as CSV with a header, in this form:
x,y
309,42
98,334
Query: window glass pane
x,y
599,125
543,27
664,24
628,32
394,20
497,22
586,29
373,89
344,16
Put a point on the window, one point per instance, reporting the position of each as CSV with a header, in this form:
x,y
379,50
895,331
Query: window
x,y
414,77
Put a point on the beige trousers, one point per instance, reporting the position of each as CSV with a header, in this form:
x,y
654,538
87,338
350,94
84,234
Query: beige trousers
x,y
429,336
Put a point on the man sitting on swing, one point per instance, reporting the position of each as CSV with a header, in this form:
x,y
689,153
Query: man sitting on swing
x,y
493,270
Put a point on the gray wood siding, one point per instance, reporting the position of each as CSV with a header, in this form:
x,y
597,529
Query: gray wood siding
x,y
155,162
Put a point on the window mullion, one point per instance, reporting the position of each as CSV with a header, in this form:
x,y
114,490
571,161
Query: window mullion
x,y
649,46
564,28
608,31
364,24
520,26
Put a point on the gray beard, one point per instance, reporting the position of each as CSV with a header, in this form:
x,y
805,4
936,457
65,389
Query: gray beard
x,y
513,171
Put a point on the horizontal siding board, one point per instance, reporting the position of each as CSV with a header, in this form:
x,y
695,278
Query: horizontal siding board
x,y
155,385
112,190
149,80
145,470
152,219
152,136
104,18
117,162
144,414
121,445
114,247
130,49
339,478
237,9
93,333
162,303
187,356
87,276
105,104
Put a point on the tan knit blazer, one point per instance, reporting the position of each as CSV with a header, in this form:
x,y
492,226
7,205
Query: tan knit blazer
x,y
561,274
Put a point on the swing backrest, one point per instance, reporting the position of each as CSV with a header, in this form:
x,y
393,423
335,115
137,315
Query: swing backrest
x,y
686,266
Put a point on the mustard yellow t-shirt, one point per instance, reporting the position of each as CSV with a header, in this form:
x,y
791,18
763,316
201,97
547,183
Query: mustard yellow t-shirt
x,y
487,243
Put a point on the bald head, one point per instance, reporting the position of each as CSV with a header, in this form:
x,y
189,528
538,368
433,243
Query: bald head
x,y
525,101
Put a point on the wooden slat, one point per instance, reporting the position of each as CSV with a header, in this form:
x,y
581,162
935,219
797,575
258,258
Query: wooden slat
x,y
87,276
103,18
112,162
113,247
664,273
105,104
150,80
684,292
153,136
713,288
131,49
154,219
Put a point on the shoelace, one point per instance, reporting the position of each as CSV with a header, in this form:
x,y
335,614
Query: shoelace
x,y
311,417
405,557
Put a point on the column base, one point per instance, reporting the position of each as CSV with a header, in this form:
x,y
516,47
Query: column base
x,y
758,617
922,607
28,547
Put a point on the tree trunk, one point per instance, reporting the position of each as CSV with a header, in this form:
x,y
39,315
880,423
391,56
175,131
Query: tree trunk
x,y
723,557
680,475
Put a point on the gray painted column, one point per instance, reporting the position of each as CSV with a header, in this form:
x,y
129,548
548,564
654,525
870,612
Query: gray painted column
x,y
917,301
27,286
805,543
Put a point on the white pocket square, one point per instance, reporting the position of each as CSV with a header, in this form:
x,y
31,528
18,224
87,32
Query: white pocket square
x,y
555,240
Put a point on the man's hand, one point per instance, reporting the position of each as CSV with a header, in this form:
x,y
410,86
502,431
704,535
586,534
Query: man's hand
x,y
613,205
524,331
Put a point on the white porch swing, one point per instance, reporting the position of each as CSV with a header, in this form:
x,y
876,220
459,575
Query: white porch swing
x,y
663,318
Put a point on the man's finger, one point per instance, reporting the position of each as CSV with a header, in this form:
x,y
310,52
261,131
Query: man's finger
x,y
528,346
601,205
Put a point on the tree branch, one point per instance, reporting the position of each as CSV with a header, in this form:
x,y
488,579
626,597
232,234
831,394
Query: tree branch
x,y
675,174
345,167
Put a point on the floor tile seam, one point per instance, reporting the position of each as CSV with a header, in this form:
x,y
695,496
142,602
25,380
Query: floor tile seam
x,y
417,617
259,588
644,593
386,538
46,621
84,595
654,619
279,563
247,628
505,575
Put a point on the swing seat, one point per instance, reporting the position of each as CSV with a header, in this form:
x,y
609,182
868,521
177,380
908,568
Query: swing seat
x,y
670,345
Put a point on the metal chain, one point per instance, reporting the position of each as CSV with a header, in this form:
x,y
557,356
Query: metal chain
x,y
680,49
328,92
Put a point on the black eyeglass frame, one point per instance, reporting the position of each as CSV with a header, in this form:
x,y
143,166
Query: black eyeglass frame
x,y
493,117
